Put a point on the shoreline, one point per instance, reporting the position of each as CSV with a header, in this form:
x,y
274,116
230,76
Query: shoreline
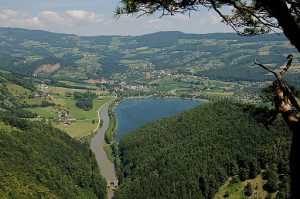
x,y
114,140
98,112
152,96
97,143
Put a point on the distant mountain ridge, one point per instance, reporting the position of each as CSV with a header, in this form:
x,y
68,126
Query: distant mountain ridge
x,y
42,34
85,57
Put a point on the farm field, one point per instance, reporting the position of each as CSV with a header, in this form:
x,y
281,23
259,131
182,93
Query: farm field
x,y
65,115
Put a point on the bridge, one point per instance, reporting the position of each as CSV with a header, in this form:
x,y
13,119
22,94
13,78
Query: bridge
x,y
112,184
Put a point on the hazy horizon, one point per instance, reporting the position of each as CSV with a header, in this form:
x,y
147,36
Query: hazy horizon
x,y
115,34
94,18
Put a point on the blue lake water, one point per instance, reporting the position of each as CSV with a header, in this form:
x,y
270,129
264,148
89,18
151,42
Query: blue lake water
x,y
133,113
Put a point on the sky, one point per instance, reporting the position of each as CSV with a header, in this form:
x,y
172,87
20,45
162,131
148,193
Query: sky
x,y
96,17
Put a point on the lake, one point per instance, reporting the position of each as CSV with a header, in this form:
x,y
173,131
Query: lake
x,y
133,113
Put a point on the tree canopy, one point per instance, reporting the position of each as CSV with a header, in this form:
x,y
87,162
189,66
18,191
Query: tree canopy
x,y
190,155
249,17
39,161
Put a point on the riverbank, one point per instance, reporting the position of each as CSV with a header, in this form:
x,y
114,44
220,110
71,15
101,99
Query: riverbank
x,y
97,146
88,137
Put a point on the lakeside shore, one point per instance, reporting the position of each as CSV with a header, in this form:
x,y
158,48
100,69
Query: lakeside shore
x,y
98,141
165,97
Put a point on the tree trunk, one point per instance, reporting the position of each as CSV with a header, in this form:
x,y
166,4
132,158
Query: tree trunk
x,y
291,29
286,109
295,163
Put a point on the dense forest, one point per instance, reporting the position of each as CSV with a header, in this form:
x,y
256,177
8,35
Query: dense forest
x,y
192,154
39,161
84,100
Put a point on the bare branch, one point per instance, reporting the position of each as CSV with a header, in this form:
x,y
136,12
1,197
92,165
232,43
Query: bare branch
x,y
267,69
225,19
282,85
288,64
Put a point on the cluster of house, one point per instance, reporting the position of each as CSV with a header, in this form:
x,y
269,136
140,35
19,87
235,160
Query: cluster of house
x,y
124,86
99,81
66,120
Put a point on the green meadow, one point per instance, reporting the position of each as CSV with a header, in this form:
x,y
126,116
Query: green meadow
x,y
85,121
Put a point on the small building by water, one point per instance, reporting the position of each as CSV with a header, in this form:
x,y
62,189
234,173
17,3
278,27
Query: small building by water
x,y
112,184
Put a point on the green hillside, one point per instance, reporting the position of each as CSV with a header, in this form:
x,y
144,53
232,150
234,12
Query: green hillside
x,y
191,155
25,97
15,91
204,55
163,63
39,161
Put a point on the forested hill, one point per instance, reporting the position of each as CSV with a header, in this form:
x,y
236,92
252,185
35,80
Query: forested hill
x,y
39,161
192,154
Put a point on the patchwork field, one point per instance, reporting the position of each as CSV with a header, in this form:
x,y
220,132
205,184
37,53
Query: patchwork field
x,y
64,113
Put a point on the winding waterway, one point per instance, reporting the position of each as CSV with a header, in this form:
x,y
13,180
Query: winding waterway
x,y
97,143
133,113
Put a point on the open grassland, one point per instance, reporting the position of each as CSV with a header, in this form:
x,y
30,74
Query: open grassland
x,y
34,101
17,90
62,90
218,93
70,73
173,86
46,112
88,86
85,121
78,129
76,112
237,190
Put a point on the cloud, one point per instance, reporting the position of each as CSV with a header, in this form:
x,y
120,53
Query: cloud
x,y
51,18
6,14
16,19
82,15
83,22
35,21
50,15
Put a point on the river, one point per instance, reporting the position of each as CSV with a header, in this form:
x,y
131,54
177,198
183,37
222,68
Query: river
x,y
97,144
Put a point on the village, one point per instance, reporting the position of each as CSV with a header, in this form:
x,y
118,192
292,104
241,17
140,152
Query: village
x,y
172,83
